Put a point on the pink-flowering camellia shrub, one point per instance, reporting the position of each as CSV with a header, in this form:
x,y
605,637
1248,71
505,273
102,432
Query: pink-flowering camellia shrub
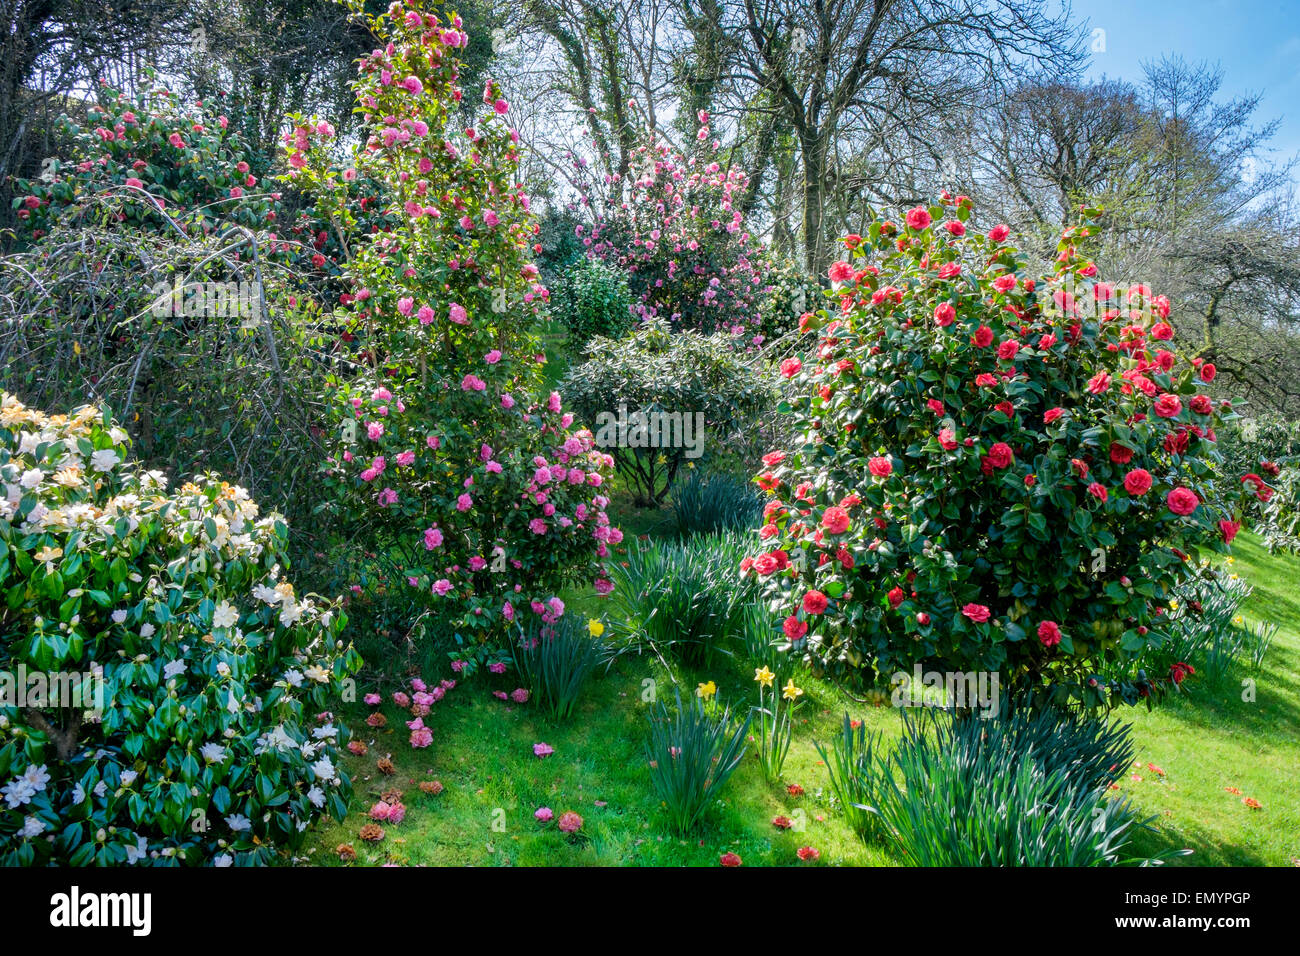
x,y
450,459
997,470
682,240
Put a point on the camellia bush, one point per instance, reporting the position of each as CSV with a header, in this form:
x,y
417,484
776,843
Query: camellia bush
x,y
660,399
167,692
682,240
449,459
995,470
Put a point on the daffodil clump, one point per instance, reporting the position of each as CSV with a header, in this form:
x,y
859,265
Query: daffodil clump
x,y
165,693
772,716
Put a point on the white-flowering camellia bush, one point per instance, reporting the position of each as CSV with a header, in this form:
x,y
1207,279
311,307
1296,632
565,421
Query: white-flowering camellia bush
x,y
209,739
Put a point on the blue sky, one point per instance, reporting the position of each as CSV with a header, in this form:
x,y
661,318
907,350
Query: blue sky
x,y
1256,42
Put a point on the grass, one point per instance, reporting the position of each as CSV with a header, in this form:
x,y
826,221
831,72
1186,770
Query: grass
x,y
1205,741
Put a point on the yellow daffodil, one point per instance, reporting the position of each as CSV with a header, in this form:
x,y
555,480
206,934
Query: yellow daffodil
x,y
595,628
706,690
790,692
764,676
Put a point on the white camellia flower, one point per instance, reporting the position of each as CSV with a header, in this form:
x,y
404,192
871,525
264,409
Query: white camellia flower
x,y
104,459
324,769
238,822
172,669
293,678
78,794
317,797
213,753
223,860
128,777
147,630
32,827
226,615
119,617
31,478
137,852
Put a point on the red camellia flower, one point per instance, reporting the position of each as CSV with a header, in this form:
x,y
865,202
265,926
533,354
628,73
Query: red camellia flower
x,y
814,602
955,228
944,314
1000,455
1007,350
1098,383
1229,530
947,439
766,564
922,618
1049,633
729,860
1052,414
807,853
790,367
1167,405
1099,492
1004,283
934,405
976,612
835,520
1120,454
895,596
1162,331
1182,501
1137,482
1201,404
794,628
983,337
1208,371
773,458
999,232
1180,672
918,218
880,467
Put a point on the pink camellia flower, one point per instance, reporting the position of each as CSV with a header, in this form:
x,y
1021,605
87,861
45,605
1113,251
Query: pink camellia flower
x,y
1182,501
918,218
519,695
880,467
379,812
840,271
441,587
569,822
472,383
374,700
544,814
492,357
464,502
413,85
1049,633
976,612
421,738
396,813
458,314
425,315
543,750
402,700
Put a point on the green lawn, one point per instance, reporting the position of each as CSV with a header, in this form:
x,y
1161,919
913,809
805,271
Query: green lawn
x,y
1206,741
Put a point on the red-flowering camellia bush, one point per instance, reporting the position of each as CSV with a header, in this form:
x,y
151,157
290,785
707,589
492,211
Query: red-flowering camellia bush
x,y
453,464
682,240
997,470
